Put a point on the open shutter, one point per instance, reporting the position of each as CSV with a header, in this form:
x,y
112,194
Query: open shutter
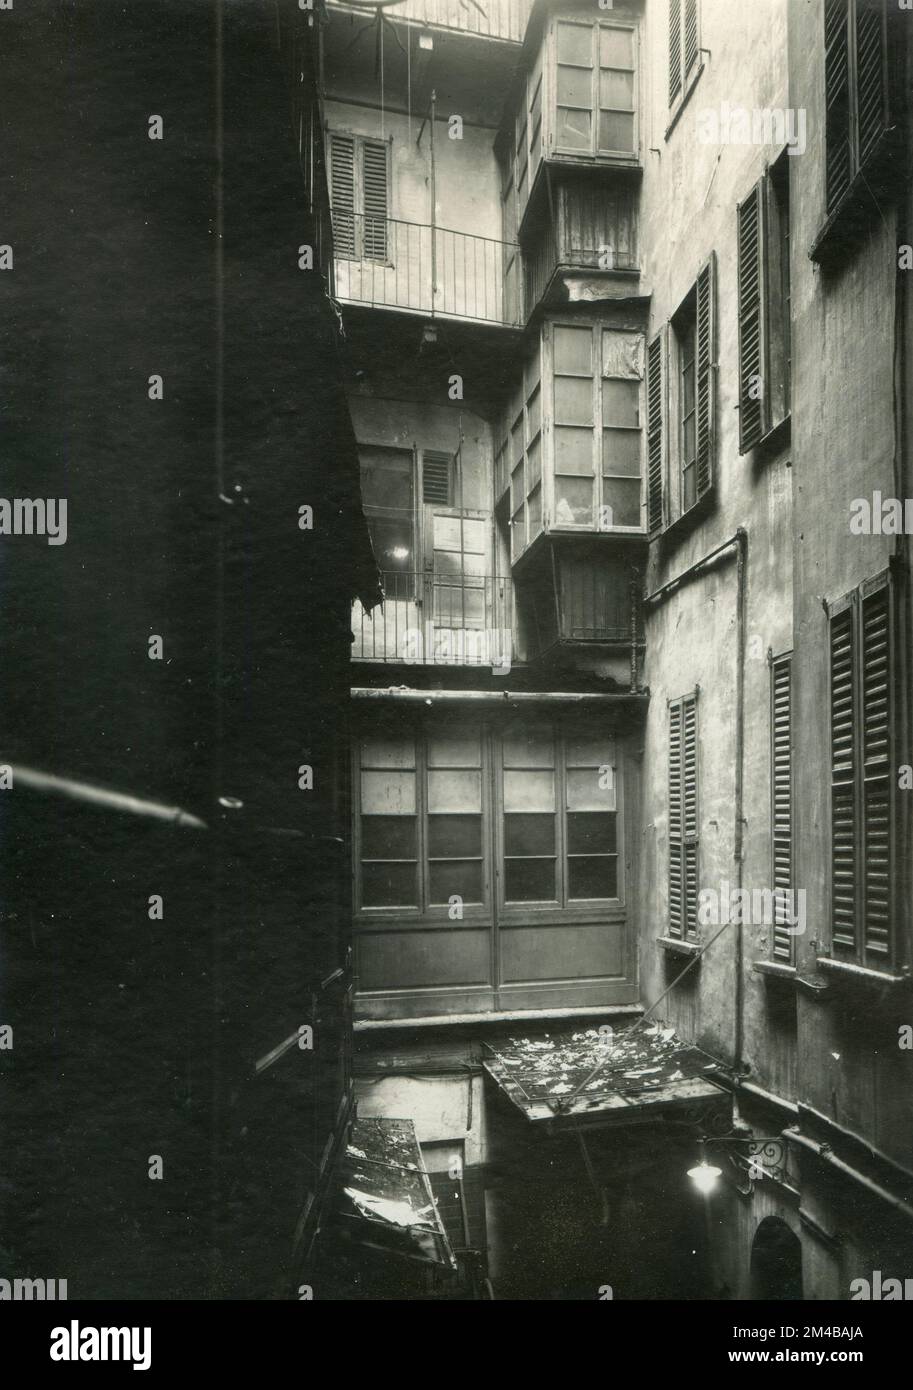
x,y
675,49
837,99
871,74
683,822
374,182
843,781
877,782
690,42
781,801
342,193
655,459
676,864
752,383
706,335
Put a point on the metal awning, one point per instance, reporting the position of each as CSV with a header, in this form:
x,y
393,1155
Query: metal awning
x,y
384,1198
594,1077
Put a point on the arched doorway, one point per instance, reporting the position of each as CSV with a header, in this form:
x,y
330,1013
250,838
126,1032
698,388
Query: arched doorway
x,y
776,1262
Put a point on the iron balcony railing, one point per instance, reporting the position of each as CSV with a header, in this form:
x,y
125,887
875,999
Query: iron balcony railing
x,y
436,620
390,264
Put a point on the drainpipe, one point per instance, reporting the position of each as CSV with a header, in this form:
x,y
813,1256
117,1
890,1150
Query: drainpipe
x,y
106,799
826,1155
433,204
739,544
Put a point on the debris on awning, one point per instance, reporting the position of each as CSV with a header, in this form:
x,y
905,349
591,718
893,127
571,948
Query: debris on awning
x,y
553,1075
384,1197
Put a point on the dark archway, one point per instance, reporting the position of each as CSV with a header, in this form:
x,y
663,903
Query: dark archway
x,y
776,1262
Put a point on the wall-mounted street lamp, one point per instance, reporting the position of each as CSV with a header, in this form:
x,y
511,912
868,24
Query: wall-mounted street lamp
x,y
762,1158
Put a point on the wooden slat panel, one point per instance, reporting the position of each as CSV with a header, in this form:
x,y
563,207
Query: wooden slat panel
x,y
837,99
782,800
843,774
871,82
751,327
655,434
876,771
376,207
675,49
342,191
706,336
690,41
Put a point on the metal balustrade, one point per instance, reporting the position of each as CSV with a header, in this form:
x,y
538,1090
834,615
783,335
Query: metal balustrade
x,y
435,620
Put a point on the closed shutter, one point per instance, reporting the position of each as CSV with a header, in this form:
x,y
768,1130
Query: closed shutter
x,y
781,801
690,35
843,781
683,818
374,173
752,387
871,73
675,49
837,99
342,193
437,472
877,783
706,332
655,434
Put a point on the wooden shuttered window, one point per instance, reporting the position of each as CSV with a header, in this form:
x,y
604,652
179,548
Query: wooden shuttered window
x,y
706,376
359,194
655,433
683,44
863,813
781,784
764,306
683,818
856,89
437,477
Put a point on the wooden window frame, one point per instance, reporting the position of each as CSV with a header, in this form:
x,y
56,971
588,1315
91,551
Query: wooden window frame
x,y
359,141
594,154
700,303
684,927
858,946
764,293
783,942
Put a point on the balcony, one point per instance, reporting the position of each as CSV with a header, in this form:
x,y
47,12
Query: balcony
x,y
505,19
436,620
416,268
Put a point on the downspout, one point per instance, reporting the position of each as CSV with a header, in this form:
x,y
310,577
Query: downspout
x,y
433,204
739,543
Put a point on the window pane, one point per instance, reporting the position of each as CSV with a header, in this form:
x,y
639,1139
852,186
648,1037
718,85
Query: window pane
x,y
573,401
623,496
388,885
535,512
529,791
583,750
584,792
622,354
621,452
575,44
574,351
532,747
575,87
616,90
388,752
616,48
535,413
517,487
534,469
616,131
574,129
529,880
454,791
530,834
388,793
388,837
454,749
591,832
573,501
621,402
454,837
592,878
456,878
573,450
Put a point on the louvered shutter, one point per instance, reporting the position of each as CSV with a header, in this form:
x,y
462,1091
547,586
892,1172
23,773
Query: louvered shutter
x,y
436,477
676,863
781,802
675,49
342,193
690,42
374,176
844,858
837,99
877,782
683,837
752,385
655,434
706,333
871,74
